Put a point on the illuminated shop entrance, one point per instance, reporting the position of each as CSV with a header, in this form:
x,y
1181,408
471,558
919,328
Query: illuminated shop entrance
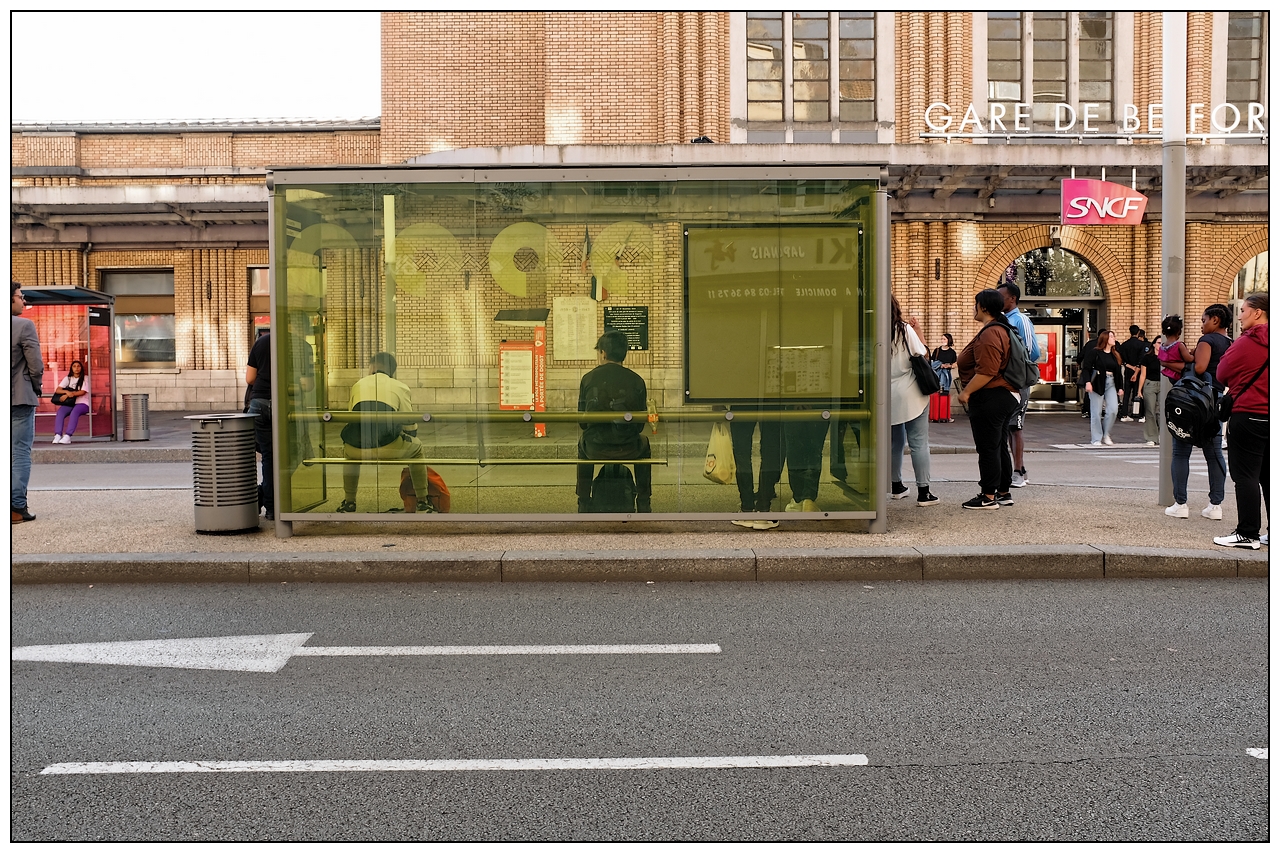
x,y
433,327
1064,297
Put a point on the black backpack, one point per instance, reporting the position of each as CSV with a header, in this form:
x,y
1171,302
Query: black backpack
x,y
1191,411
614,490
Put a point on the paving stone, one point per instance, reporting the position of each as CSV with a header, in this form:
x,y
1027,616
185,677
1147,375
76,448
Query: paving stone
x,y
832,564
1011,561
674,565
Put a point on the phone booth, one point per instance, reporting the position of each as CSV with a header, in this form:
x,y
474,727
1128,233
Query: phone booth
x,y
75,323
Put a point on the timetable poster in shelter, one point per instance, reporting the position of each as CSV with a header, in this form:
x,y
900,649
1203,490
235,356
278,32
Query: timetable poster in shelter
x,y
773,312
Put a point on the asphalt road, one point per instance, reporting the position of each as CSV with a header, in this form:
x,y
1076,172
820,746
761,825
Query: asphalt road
x,y
1000,710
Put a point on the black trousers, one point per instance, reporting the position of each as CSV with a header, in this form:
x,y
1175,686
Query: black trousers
x,y
772,454
989,411
1249,458
804,441
639,449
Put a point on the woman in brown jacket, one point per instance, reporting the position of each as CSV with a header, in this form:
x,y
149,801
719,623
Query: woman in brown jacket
x,y
990,401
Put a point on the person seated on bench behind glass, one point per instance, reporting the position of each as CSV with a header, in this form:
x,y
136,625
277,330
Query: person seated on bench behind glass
x,y
614,388
370,439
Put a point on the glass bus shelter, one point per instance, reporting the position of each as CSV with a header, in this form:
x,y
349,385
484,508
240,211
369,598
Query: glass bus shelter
x,y
75,323
753,301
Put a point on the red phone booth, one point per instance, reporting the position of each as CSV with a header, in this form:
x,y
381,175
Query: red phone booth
x,y
76,323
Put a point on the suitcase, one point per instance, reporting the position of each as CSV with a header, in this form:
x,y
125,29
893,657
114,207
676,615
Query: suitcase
x,y
940,407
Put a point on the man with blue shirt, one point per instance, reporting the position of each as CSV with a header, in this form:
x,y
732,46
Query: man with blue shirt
x,y
1022,323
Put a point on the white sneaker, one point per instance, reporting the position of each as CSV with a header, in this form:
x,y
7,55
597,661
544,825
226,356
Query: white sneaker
x,y
1212,511
1095,444
1019,480
66,439
57,439
1142,420
1178,511
1263,539
1151,444
1106,439
792,506
1235,540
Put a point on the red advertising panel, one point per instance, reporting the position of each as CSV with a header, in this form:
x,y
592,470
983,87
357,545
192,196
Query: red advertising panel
x,y
1048,340
1090,202
522,376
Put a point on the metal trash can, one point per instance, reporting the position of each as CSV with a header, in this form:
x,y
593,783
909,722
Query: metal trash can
x,y
137,420
224,472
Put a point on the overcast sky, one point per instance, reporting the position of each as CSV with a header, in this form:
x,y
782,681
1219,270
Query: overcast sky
x,y
173,66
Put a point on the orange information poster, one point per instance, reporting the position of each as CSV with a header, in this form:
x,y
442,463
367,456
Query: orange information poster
x,y
522,376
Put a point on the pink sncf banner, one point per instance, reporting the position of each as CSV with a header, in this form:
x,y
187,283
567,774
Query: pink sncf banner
x,y
1089,202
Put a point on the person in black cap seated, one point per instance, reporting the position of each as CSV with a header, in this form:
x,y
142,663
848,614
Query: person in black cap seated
x,y
614,388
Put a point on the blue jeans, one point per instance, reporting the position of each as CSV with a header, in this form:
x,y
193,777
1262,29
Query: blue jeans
x,y
1097,429
916,433
22,426
1213,459
262,439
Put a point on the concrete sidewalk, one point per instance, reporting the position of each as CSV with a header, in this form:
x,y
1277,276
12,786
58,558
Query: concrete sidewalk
x,y
1067,532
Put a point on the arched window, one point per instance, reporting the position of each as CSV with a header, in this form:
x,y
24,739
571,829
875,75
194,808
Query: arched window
x,y
1053,271
1254,276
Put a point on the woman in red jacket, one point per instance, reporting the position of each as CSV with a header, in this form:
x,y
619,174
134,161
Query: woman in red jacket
x,y
1243,369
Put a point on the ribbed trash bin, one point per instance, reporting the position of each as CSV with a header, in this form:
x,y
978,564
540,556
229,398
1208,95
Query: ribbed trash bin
x,y
137,419
224,472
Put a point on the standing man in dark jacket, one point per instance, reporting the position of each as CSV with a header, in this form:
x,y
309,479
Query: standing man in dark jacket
x,y
1132,352
614,388
26,374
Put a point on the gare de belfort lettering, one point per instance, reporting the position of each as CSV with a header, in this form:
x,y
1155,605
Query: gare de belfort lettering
x,y
939,117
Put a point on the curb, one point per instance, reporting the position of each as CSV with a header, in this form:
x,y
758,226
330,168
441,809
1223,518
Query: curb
x,y
1030,562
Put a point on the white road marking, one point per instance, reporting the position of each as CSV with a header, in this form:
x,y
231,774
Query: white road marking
x,y
637,649
1258,753
454,765
270,652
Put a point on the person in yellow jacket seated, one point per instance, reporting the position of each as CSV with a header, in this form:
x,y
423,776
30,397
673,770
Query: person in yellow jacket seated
x,y
380,391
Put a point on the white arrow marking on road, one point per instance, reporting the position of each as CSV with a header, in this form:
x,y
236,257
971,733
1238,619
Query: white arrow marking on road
x,y
270,652
451,765
1257,753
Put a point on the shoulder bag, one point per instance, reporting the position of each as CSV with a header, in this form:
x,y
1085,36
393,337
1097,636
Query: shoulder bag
x,y
1225,401
926,379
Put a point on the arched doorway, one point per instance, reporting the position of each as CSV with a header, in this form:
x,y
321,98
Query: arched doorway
x,y
1063,294
1253,277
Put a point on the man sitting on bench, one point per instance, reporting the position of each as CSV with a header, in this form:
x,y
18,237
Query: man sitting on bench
x,y
614,388
370,439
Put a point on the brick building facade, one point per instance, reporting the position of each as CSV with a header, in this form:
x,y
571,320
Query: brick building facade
x,y
191,198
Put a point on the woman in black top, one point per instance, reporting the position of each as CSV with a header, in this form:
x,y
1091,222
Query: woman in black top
x,y
1149,391
943,360
1104,380
1208,352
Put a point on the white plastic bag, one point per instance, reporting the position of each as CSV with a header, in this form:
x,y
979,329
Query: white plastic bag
x,y
720,467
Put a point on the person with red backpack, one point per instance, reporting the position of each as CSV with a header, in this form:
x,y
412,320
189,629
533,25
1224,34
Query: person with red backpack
x,y
1243,370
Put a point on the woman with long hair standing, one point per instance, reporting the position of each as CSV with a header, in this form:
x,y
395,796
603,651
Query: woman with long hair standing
x,y
909,408
1244,371
1104,381
75,402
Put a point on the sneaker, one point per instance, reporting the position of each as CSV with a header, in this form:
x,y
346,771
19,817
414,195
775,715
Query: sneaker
x,y
1263,539
1142,420
347,506
1106,439
764,524
899,491
1235,540
809,506
1151,444
1019,479
1212,511
66,439
980,502
1004,499
926,497
744,522
1178,511
792,506
18,515
57,439
425,506
1095,444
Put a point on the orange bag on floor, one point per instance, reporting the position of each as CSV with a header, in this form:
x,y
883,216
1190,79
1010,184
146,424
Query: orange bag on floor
x,y
437,491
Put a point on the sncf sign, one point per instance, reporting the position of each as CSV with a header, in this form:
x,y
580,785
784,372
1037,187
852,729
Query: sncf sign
x,y
1089,202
